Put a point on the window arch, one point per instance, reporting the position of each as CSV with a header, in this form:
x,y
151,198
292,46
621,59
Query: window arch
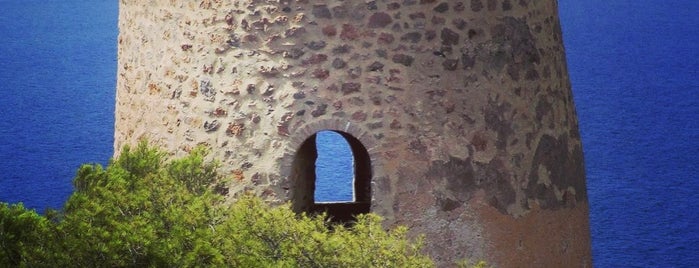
x,y
303,176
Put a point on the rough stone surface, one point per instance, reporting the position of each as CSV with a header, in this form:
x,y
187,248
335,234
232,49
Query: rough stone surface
x,y
464,108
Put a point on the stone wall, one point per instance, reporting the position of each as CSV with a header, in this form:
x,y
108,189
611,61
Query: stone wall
x,y
464,108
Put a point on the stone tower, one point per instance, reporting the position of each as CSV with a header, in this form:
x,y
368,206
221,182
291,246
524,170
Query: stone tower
x,y
459,113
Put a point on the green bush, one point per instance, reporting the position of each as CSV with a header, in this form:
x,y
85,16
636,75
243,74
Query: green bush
x,y
25,236
143,211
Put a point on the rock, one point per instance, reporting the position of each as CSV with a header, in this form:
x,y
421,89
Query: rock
x,y
207,90
379,20
211,126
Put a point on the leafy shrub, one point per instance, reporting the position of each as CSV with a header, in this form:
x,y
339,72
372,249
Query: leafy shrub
x,y
25,236
143,211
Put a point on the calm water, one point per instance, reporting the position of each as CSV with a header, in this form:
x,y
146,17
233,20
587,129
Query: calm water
x,y
633,65
634,68
334,168
57,81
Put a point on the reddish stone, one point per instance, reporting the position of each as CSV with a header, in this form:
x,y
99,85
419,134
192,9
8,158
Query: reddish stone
x,y
219,112
367,33
479,143
337,105
359,116
235,129
283,126
317,58
374,79
395,124
320,74
268,194
349,32
208,68
393,77
329,30
379,20
385,38
237,175
350,87
230,19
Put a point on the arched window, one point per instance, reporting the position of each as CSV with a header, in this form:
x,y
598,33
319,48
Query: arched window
x,y
352,200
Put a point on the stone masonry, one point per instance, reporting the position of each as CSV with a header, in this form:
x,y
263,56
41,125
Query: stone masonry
x,y
463,109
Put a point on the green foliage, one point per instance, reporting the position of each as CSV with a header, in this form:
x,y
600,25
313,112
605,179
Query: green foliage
x,y
143,211
275,237
24,235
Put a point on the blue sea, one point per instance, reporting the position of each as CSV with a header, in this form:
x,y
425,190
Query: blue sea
x,y
633,65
